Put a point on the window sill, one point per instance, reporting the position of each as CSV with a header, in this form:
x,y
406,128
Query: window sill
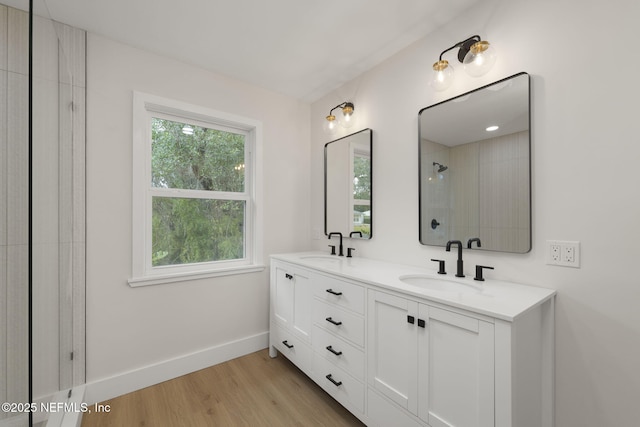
x,y
183,277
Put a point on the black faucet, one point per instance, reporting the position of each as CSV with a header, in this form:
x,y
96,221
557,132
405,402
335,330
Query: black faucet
x,y
459,271
336,233
358,233
475,239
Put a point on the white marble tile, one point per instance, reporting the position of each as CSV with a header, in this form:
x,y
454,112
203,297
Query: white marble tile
x,y
45,49
45,176
17,323
4,44
18,37
17,160
72,55
3,158
45,318
3,321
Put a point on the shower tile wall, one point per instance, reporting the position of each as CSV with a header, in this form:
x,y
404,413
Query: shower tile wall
x,y
14,50
504,214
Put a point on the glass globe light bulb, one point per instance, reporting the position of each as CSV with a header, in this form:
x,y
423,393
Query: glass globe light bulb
x,y
330,124
347,118
480,58
442,76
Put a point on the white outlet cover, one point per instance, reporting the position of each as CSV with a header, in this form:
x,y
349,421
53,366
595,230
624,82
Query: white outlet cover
x,y
563,253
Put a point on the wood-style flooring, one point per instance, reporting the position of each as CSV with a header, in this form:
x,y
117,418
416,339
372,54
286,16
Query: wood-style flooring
x,y
253,390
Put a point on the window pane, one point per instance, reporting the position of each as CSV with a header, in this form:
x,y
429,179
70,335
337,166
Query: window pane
x,y
362,177
196,230
196,158
362,219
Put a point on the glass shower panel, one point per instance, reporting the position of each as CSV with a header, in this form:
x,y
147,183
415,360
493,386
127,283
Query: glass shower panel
x,y
58,206
42,240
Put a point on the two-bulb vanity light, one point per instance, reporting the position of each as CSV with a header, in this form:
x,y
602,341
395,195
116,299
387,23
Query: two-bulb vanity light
x,y
476,55
345,119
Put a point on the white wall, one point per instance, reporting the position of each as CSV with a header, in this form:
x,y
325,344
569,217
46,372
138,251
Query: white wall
x,y
585,155
132,328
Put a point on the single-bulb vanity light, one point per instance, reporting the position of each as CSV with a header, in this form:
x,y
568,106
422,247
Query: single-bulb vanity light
x,y
345,119
476,55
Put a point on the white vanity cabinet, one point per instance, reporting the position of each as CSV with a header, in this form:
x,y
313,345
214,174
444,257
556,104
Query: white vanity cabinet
x,y
437,364
402,355
290,312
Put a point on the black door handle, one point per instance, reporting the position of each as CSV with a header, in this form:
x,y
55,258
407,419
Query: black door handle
x,y
286,344
331,291
288,276
336,383
330,320
337,353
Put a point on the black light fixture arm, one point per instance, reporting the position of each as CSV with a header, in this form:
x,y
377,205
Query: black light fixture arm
x,y
464,47
342,105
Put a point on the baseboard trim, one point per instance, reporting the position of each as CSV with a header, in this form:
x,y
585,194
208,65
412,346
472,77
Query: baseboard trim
x,y
108,388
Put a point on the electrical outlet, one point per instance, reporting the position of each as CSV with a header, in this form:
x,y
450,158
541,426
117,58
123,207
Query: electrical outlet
x,y
554,252
563,253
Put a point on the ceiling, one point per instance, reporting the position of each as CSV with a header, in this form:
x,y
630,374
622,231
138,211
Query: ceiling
x,y
300,48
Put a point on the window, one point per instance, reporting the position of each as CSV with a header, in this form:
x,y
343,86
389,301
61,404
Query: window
x,y
361,200
194,192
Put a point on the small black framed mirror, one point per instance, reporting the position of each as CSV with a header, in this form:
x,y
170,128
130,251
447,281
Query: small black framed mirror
x,y
348,185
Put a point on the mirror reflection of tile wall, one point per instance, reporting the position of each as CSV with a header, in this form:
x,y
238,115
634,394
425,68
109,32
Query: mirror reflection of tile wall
x,y
480,192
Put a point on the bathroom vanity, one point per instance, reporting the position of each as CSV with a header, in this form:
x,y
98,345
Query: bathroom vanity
x,y
403,346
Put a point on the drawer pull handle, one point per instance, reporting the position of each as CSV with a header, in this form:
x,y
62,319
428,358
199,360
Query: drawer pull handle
x,y
330,320
411,319
336,383
286,344
337,353
331,291
288,276
421,323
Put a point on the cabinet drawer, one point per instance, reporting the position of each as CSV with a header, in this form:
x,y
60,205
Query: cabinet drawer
x,y
293,348
348,357
340,322
340,385
341,293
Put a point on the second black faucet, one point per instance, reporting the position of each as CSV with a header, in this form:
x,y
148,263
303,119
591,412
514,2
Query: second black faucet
x,y
336,233
459,269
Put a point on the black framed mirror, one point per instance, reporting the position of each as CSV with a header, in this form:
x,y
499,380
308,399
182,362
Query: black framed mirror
x,y
475,168
348,184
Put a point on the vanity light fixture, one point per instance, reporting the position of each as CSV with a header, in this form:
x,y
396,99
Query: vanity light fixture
x,y
476,55
345,119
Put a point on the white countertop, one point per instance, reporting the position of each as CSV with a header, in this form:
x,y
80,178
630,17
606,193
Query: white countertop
x,y
495,298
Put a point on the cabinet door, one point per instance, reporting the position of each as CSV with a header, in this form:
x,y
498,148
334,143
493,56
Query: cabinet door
x,y
456,370
393,352
302,301
283,297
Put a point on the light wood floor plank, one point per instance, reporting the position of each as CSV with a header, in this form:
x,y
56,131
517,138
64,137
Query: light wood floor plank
x,y
253,390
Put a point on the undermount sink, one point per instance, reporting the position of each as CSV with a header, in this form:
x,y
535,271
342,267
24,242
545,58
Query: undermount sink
x,y
332,258
439,284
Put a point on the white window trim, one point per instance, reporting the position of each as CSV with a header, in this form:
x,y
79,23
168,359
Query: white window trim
x,y
145,106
